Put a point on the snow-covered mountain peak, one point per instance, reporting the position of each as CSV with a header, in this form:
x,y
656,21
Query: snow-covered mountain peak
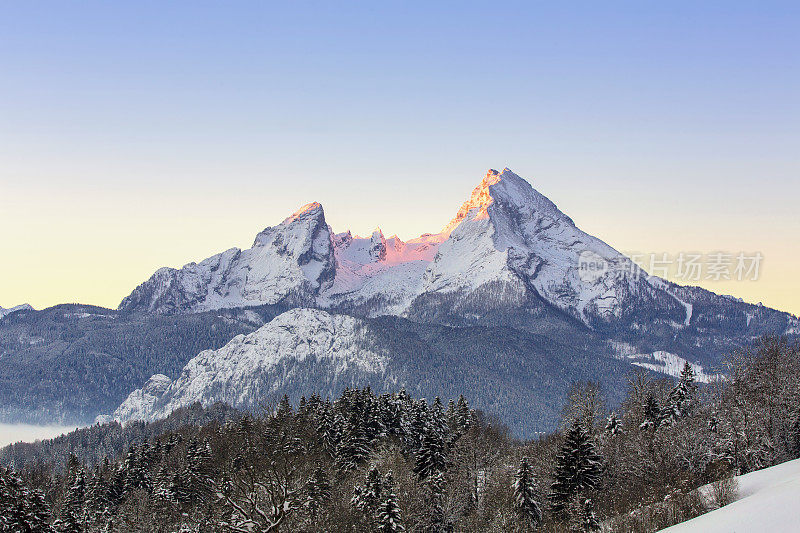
x,y
304,220
509,191
310,209
291,262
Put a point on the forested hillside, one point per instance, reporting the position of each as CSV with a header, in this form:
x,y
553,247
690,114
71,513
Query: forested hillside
x,y
391,462
68,363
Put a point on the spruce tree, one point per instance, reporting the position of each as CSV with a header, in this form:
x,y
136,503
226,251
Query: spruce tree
x,y
682,398
578,468
432,455
21,510
652,413
388,517
587,519
353,449
97,502
525,495
613,424
73,514
463,415
367,497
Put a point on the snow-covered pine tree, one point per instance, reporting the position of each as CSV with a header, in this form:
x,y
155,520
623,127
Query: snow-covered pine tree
x,y
162,486
284,409
525,495
367,497
116,484
389,519
98,506
431,458
587,519
578,468
682,398
463,414
374,428
21,510
134,469
439,418
353,448
73,514
652,413
330,426
195,478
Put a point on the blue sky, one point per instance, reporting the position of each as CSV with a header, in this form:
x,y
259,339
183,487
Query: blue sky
x,y
137,135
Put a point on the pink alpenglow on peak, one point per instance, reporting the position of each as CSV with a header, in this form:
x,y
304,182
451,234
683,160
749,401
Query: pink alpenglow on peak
x,y
506,185
480,199
310,208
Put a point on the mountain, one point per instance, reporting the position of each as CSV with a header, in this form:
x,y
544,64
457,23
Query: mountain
x,y
509,300
68,363
508,257
23,307
289,263
520,376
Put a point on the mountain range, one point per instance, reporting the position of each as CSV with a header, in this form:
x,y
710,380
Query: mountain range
x,y
307,310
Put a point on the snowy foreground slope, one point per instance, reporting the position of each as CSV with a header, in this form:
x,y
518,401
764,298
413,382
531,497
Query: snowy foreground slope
x,y
768,500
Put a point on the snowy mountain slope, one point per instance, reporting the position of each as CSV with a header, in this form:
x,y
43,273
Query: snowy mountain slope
x,y
290,263
22,307
254,368
143,399
306,351
376,269
669,364
767,501
509,233
68,363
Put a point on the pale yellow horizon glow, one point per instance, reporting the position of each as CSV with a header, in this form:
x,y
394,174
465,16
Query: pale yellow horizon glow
x,y
73,243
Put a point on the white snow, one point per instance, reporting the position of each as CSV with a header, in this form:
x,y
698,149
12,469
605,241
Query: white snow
x,y
767,501
506,232
141,400
506,237
668,363
251,368
509,232
288,259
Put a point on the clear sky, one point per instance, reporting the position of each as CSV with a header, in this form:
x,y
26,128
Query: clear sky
x,y
135,135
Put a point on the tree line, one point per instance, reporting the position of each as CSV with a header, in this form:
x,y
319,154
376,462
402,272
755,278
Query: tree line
x,y
392,462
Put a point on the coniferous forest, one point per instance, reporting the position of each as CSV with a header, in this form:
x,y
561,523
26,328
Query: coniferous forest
x,y
392,462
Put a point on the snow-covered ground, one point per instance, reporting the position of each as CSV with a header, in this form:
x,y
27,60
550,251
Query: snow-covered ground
x,y
768,500
670,364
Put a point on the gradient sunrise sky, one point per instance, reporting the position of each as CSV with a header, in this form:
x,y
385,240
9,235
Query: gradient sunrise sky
x,y
135,135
